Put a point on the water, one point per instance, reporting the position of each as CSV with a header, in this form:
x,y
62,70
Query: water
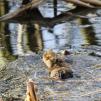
x,y
23,39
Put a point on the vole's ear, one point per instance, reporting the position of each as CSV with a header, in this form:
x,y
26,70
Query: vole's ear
x,y
65,52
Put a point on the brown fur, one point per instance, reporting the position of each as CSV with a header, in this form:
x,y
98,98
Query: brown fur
x,y
49,57
57,67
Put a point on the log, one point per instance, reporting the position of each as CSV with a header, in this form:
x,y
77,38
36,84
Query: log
x,y
21,16
94,2
86,3
80,3
21,10
79,12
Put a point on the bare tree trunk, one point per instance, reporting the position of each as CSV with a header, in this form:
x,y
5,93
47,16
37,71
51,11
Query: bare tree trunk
x,y
88,33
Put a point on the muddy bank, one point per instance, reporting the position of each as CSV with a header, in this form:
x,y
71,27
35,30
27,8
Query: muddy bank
x,y
84,86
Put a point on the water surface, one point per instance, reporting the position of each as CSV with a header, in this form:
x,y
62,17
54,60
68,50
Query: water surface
x,y
23,39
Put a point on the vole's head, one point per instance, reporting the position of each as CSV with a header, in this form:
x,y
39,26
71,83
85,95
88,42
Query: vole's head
x,y
49,57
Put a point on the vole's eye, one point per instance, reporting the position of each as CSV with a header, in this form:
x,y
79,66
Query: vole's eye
x,y
47,57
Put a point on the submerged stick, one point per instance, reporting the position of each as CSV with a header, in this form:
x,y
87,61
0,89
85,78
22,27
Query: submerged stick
x,y
31,92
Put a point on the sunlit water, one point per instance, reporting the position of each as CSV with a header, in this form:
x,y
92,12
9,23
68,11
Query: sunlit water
x,y
22,39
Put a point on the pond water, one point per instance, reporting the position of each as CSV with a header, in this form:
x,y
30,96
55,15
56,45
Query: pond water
x,y
23,39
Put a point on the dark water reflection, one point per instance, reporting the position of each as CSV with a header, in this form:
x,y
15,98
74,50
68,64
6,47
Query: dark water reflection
x,y
23,39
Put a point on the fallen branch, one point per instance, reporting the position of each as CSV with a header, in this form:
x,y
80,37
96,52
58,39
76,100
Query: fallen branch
x,y
79,2
21,10
36,17
31,92
94,2
86,3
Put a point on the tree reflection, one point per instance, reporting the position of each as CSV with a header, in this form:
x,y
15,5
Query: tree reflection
x,y
35,37
27,35
88,32
5,47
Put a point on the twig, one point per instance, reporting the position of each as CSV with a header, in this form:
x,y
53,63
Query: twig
x,y
31,92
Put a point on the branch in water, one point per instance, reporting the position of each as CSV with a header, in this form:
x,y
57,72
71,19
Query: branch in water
x,y
86,3
31,92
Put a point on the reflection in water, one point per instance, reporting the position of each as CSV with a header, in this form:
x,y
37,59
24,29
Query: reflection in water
x,y
89,33
5,47
60,37
17,38
55,7
34,37
22,39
